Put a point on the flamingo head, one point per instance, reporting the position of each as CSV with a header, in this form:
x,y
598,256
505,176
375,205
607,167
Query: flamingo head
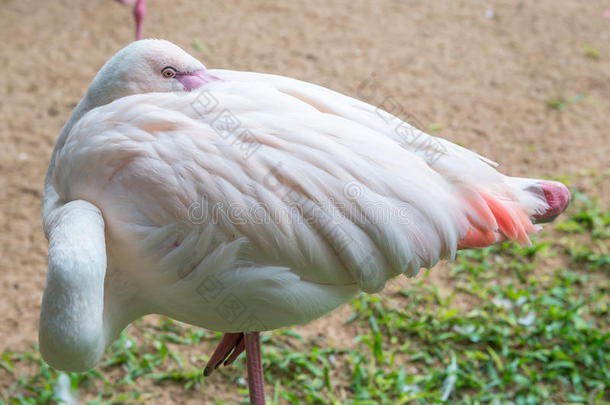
x,y
145,66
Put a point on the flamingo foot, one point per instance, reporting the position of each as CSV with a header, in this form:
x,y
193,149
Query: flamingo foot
x,y
230,346
256,382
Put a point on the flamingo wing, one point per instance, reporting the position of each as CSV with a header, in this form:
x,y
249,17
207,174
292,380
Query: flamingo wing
x,y
498,204
263,188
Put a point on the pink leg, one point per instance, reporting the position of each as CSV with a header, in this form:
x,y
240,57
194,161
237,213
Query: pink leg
x,y
256,382
228,342
138,11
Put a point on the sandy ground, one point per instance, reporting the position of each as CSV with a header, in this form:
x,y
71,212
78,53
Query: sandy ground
x,y
481,71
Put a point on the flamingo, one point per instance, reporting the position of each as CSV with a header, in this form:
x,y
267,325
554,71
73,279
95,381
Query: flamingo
x,y
243,202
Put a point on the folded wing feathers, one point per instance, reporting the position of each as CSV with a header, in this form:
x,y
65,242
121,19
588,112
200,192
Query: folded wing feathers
x,y
473,174
313,144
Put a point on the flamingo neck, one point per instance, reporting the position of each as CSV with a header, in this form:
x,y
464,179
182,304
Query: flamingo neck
x,y
77,323
51,200
81,314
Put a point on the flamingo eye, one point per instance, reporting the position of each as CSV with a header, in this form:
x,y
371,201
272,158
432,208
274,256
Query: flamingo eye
x,y
168,72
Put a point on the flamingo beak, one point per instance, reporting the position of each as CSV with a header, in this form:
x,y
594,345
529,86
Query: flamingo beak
x,y
557,197
196,79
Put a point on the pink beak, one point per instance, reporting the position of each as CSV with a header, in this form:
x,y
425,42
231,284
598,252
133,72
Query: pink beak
x,y
196,79
557,197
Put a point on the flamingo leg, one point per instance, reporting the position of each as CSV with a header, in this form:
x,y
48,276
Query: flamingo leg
x,y
256,383
138,12
228,343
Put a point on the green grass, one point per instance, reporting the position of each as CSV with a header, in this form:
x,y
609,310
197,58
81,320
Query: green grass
x,y
520,325
591,52
558,104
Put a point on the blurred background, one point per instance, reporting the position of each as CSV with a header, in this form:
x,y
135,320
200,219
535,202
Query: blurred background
x,y
526,84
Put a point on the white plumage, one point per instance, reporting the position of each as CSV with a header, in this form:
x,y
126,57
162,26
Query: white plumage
x,y
282,198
